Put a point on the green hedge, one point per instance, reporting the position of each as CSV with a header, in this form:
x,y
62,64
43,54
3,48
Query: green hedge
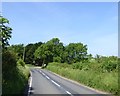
x,y
15,74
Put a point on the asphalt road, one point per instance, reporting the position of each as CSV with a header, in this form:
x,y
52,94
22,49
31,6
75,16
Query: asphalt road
x,y
45,82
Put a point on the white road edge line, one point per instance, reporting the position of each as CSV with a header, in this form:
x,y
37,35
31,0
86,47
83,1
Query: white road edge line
x,y
30,83
55,83
68,92
47,77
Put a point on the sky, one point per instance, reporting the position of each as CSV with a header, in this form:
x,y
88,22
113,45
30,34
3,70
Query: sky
x,y
94,24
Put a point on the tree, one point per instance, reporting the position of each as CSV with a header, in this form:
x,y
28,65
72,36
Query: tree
x,y
5,31
76,52
55,46
17,49
29,51
43,53
53,50
8,58
50,50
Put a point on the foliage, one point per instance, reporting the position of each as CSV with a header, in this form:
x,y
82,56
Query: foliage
x,y
110,63
17,49
18,81
77,66
14,77
49,50
76,52
43,53
53,50
87,74
9,60
20,62
29,51
5,31
57,59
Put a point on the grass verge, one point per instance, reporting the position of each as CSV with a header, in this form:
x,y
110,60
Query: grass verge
x,y
17,81
104,81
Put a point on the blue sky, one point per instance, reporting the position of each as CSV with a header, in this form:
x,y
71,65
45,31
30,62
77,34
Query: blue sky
x,y
93,24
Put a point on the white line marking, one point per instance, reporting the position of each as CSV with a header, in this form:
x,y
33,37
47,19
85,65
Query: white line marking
x,y
68,92
43,74
31,91
55,83
30,83
40,71
47,77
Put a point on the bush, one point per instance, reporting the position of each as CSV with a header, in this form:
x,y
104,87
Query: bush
x,y
80,66
57,59
14,77
9,64
109,65
17,83
90,74
77,66
21,62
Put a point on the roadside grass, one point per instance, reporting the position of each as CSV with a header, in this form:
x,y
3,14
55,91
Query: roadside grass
x,y
17,81
95,78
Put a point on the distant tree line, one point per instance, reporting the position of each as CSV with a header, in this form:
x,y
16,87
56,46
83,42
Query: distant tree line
x,y
51,51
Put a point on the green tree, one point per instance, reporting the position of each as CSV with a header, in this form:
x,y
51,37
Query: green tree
x,y
5,31
57,59
49,50
76,52
56,47
29,51
43,53
17,49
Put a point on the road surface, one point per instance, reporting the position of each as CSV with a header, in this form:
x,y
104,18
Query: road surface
x,y
45,82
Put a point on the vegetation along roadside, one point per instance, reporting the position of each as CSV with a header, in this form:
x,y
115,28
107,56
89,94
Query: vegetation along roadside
x,y
91,74
14,71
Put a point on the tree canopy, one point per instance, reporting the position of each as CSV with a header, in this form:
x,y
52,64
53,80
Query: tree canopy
x,y
17,49
53,50
5,31
29,52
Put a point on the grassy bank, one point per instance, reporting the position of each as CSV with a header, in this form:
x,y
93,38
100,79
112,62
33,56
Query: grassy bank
x,y
92,76
16,80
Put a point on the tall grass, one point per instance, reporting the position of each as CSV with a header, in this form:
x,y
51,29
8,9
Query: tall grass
x,y
17,80
104,81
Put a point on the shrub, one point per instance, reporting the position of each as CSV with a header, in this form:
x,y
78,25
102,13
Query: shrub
x,y
77,66
14,77
109,65
21,62
91,77
57,59
81,66
9,64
